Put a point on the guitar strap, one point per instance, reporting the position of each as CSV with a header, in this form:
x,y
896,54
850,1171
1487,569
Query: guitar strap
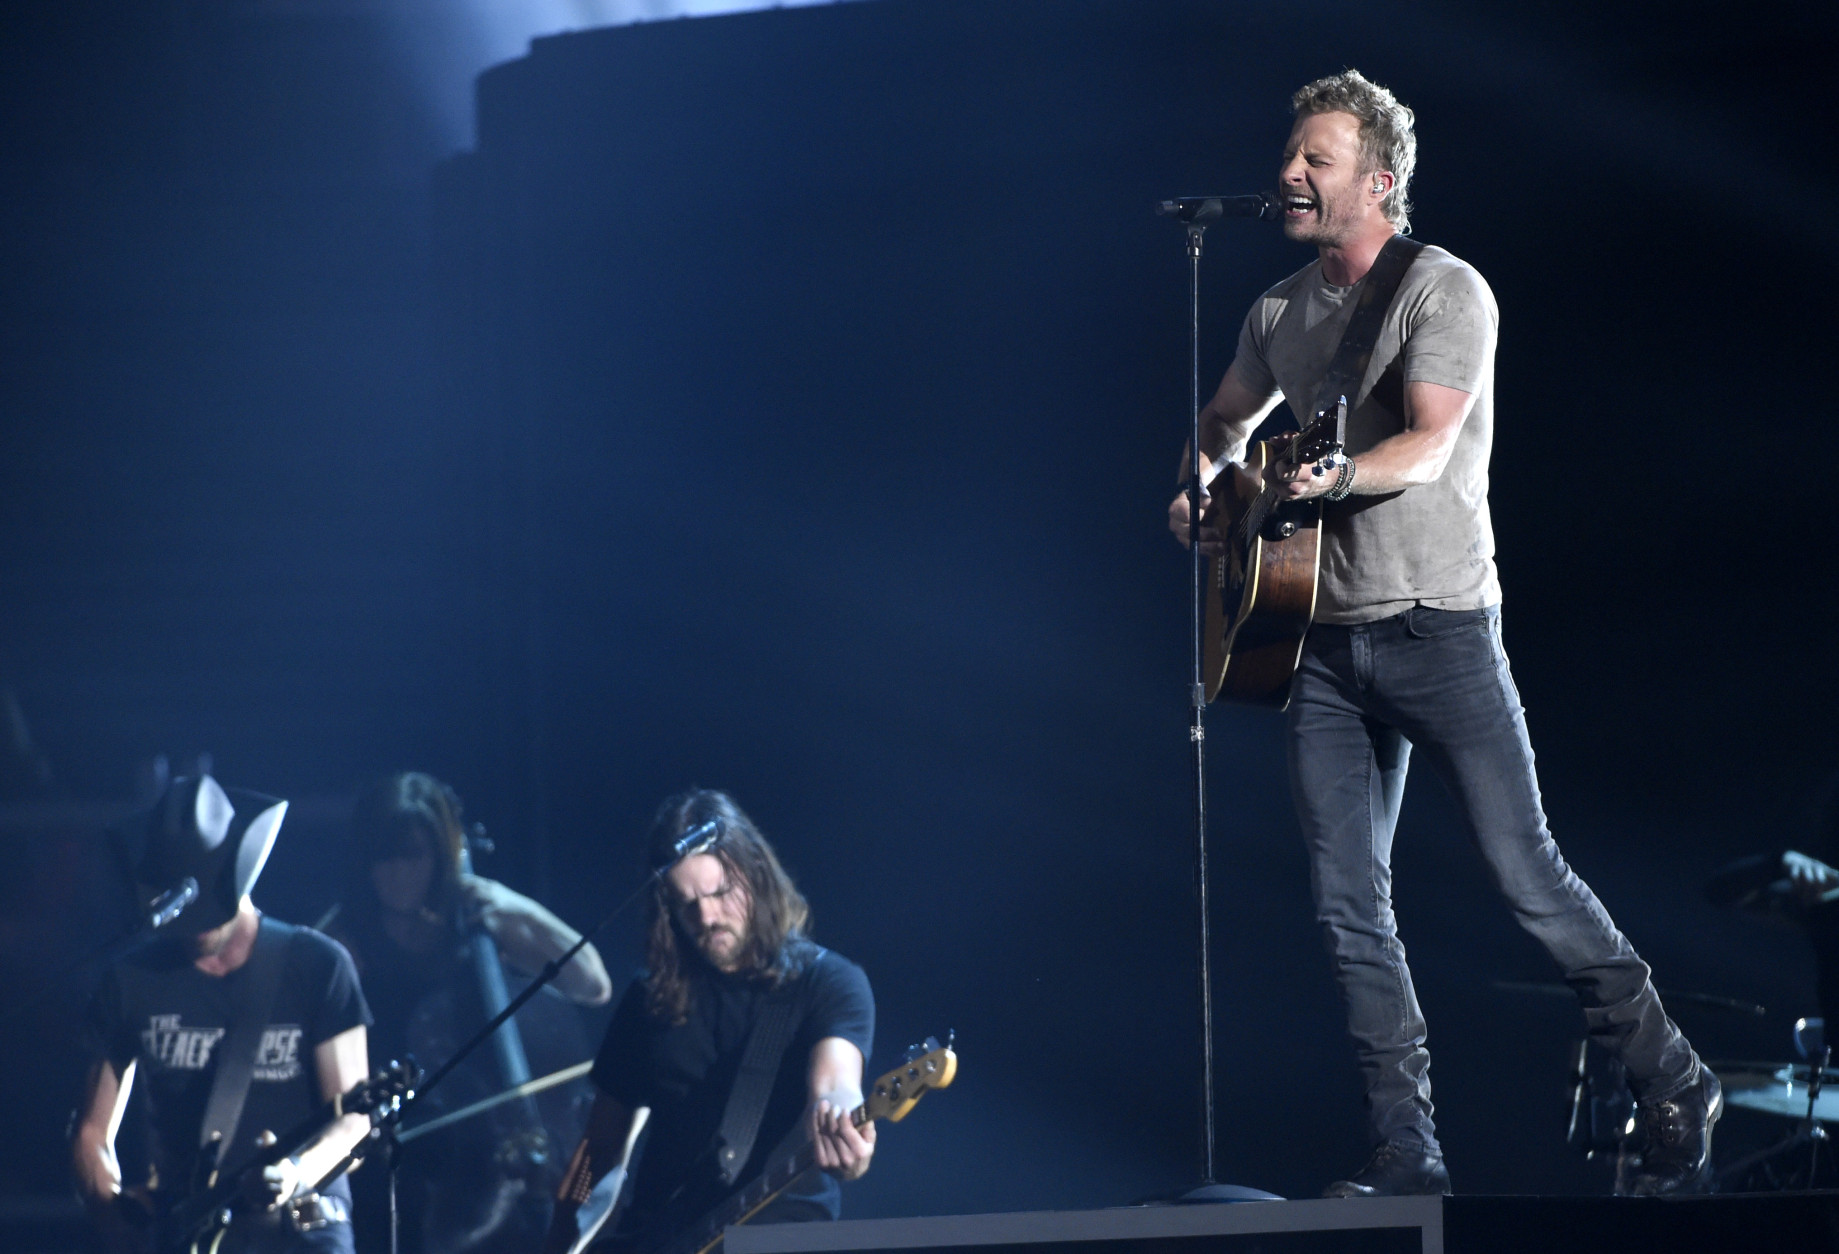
x,y
223,1110
1355,352
773,1028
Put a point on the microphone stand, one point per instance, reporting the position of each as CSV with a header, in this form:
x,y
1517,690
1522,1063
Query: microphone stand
x,y
155,915
694,842
1196,213
1197,705
125,945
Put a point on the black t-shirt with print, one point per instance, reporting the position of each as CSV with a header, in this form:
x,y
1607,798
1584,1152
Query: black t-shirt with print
x,y
160,1012
684,1074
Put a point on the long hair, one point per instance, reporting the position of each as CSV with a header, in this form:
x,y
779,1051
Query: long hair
x,y
778,916
383,825
1388,139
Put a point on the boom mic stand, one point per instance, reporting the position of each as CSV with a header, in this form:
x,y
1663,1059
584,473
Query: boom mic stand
x,y
692,842
1196,213
142,934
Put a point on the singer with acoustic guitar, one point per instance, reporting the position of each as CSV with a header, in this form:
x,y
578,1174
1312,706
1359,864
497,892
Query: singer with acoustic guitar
x,y
1405,650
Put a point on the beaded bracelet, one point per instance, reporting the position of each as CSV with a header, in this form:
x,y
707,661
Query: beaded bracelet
x,y
1344,482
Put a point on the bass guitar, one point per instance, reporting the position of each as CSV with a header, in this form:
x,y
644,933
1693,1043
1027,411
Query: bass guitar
x,y
928,1066
1261,591
196,1224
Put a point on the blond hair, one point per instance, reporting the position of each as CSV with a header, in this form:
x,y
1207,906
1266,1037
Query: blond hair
x,y
1387,140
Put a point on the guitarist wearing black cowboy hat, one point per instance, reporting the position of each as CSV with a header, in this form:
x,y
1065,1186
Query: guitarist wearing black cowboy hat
x,y
235,1027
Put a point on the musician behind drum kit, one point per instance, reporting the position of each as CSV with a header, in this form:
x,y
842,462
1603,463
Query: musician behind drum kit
x,y
1800,887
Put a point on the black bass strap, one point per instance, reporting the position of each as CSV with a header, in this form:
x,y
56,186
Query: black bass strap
x,y
223,1110
1355,352
773,1028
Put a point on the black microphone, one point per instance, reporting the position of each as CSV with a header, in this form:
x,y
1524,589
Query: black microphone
x,y
695,840
1201,210
168,905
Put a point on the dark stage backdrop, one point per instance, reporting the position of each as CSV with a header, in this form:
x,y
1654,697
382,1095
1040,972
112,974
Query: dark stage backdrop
x,y
789,402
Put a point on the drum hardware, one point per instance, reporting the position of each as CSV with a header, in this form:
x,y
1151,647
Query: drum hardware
x,y
1773,1090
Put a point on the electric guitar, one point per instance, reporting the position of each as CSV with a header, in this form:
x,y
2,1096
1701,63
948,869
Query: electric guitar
x,y
1261,592
196,1223
928,1066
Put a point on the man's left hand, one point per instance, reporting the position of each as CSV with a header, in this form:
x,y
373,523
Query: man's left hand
x,y
1296,482
842,1149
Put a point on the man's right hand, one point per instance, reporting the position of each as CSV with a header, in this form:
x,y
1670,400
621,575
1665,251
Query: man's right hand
x,y
1178,522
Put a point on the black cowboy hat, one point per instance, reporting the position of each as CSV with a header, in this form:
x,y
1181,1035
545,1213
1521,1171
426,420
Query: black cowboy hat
x,y
218,836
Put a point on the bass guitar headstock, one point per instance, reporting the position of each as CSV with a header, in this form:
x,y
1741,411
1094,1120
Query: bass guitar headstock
x,y
929,1065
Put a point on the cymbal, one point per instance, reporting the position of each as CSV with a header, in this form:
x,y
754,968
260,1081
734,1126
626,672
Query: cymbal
x,y
1780,1090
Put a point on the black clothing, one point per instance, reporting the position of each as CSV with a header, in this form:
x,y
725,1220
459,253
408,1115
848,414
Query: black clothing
x,y
684,1073
396,980
159,1011
465,1186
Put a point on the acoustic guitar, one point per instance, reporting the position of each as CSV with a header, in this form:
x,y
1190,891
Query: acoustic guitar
x,y
1261,590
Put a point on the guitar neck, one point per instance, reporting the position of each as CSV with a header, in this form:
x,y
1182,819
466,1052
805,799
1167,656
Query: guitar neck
x,y
1312,443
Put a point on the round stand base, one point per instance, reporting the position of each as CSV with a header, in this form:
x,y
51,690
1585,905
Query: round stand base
x,y
1208,1191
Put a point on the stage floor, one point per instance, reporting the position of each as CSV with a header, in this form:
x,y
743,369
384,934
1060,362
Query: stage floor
x,y
1391,1225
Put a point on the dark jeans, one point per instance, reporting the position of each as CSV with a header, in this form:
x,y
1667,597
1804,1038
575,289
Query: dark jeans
x,y
268,1236
1438,680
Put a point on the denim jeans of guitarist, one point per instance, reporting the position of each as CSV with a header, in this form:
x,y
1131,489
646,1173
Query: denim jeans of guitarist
x,y
1437,681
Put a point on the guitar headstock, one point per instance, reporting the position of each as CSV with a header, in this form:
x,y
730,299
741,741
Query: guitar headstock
x,y
383,1094
929,1065
1322,440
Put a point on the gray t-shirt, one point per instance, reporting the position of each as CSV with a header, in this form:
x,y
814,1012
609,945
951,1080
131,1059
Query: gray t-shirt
x,y
1429,545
